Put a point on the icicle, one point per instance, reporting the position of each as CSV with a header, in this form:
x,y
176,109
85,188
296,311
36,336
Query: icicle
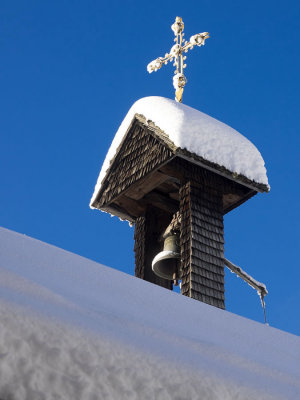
x,y
263,304
258,286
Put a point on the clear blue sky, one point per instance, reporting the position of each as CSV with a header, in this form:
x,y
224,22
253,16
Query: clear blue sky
x,y
69,72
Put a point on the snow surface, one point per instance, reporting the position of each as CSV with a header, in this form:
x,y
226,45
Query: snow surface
x,y
74,329
197,132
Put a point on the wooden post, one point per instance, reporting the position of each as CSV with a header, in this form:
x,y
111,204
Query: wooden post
x,y
147,235
202,243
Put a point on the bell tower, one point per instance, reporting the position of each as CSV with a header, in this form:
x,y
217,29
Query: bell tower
x,y
174,172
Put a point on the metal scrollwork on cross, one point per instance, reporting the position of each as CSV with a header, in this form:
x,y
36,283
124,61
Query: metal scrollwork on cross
x,y
176,54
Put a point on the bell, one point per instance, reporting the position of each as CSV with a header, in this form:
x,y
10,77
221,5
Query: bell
x,y
165,263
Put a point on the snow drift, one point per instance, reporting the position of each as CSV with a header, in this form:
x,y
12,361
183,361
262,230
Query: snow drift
x,y
74,329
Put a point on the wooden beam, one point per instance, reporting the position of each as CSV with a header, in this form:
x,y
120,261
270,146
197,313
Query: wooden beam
x,y
242,200
133,207
172,172
161,201
146,185
118,212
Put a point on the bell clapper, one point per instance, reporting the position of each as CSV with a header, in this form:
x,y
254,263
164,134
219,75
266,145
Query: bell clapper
x,y
175,279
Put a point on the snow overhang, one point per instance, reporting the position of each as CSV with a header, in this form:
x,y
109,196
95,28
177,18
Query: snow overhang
x,y
197,137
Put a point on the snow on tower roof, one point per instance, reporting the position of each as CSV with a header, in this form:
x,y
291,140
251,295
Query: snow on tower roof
x,y
75,329
196,132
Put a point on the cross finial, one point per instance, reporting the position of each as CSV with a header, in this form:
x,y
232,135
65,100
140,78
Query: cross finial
x,y
176,54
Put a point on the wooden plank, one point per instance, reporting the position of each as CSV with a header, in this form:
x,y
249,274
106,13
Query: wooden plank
x,y
237,203
137,191
161,201
131,206
174,196
169,170
118,212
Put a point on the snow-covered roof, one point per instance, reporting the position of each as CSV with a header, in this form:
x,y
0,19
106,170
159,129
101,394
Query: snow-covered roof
x,y
75,329
196,132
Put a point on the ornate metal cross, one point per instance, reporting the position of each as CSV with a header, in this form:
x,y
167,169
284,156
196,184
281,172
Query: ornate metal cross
x,y
176,54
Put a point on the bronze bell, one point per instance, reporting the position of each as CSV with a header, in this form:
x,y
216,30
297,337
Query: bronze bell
x,y
166,263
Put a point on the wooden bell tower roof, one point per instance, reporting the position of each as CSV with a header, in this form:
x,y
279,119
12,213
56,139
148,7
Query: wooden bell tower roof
x,y
156,132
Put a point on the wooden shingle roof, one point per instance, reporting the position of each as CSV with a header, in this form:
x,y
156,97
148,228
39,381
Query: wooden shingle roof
x,y
194,136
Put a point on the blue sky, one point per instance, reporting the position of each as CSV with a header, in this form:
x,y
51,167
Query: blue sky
x,y
70,71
